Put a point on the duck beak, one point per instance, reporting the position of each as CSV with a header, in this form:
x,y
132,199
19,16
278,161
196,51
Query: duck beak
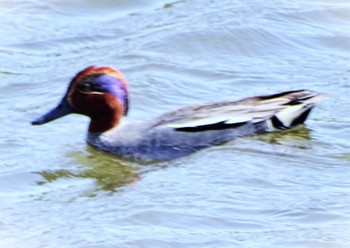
x,y
62,109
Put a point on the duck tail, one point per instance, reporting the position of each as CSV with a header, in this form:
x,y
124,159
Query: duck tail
x,y
296,111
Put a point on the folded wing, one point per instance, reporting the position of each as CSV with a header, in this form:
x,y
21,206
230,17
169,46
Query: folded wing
x,y
280,111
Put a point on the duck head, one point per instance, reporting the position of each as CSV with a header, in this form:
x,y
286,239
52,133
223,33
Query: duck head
x,y
98,92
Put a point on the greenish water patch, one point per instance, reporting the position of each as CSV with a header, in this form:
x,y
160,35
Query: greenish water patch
x,y
171,5
109,173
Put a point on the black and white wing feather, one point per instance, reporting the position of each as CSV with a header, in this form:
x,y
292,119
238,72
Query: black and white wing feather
x,y
280,111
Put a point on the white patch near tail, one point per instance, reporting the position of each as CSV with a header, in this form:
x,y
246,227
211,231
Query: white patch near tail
x,y
288,115
284,119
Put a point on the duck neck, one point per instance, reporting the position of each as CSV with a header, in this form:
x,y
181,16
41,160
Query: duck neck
x,y
104,122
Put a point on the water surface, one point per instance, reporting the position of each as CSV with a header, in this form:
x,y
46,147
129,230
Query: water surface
x,y
289,189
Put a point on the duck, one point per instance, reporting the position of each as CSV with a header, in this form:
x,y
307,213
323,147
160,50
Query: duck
x,y
101,93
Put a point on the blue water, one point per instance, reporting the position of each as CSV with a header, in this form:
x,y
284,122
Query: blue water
x,y
289,189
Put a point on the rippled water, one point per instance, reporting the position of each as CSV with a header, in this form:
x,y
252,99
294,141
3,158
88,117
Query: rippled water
x,y
289,189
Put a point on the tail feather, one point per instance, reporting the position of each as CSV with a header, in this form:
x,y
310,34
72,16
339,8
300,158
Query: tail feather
x,y
295,112
301,118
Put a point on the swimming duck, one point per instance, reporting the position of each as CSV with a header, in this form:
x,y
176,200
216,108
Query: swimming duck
x,y
101,93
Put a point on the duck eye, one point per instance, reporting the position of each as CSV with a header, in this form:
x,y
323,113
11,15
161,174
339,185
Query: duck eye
x,y
85,86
